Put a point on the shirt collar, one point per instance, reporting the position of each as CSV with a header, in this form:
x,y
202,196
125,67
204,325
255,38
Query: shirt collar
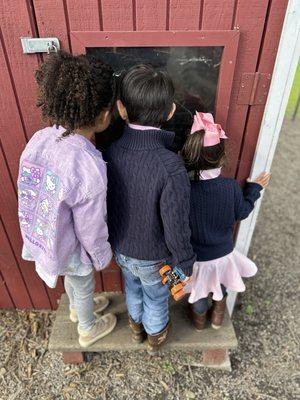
x,y
210,174
206,174
143,128
149,139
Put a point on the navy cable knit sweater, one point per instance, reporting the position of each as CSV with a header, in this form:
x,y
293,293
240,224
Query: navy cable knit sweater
x,y
216,204
149,199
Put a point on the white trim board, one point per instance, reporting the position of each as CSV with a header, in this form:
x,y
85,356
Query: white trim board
x,y
282,80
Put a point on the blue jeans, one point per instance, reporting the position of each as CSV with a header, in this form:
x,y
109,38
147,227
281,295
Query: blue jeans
x,y
147,298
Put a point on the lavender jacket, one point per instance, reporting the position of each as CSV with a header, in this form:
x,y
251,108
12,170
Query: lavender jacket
x,y
62,200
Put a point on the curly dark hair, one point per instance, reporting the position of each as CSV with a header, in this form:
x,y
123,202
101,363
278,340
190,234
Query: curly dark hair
x,y
73,90
198,158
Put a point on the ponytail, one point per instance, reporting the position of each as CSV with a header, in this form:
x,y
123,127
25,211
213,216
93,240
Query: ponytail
x,y
199,158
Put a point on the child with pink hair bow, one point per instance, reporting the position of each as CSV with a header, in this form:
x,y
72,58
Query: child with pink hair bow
x,y
217,203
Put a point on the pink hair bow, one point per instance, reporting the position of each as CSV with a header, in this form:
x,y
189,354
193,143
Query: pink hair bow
x,y
213,132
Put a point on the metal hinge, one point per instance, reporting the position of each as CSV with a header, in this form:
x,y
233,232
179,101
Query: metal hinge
x,y
40,45
254,88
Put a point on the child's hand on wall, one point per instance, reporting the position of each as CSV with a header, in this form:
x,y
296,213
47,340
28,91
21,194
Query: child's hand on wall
x,y
262,179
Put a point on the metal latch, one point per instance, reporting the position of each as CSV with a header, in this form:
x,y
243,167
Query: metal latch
x,y
254,88
40,45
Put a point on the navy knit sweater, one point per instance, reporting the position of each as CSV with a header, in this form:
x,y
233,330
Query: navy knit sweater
x,y
216,204
149,199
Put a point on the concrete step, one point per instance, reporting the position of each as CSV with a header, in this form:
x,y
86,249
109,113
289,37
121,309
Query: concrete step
x,y
213,343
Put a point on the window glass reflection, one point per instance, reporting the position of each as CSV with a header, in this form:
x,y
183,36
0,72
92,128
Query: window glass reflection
x,y
194,70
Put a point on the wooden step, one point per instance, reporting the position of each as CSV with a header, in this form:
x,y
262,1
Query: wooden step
x,y
213,343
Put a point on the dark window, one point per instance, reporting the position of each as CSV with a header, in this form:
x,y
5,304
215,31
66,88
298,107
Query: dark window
x,y
194,70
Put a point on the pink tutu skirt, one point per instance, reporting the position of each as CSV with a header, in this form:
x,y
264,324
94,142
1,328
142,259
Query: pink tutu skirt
x,y
229,270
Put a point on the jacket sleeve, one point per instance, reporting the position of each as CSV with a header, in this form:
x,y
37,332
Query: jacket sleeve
x,y
91,228
245,199
175,209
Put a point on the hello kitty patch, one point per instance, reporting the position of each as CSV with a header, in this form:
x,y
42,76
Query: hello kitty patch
x,y
39,190
28,197
51,183
26,220
31,175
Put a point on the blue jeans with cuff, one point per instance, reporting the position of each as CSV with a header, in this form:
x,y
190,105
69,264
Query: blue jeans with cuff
x,y
147,298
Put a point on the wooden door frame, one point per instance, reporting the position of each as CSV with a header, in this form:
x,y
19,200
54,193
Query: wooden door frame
x,y
80,41
283,75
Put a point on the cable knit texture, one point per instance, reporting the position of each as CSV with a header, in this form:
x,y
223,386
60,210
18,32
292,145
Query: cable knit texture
x,y
149,199
216,204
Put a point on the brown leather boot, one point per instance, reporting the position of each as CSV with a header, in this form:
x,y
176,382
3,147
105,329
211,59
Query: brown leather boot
x,y
138,333
157,340
217,312
198,320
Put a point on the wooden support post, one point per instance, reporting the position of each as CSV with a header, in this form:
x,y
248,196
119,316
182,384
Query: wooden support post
x,y
73,357
216,358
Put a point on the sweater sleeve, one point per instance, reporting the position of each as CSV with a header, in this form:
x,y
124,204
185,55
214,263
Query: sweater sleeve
x,y
175,207
245,199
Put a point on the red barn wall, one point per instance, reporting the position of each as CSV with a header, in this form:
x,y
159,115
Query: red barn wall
x,y
260,23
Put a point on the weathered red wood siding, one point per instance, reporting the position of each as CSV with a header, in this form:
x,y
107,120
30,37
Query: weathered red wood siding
x,y
259,22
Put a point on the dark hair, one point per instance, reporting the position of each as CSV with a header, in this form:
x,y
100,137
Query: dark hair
x,y
147,94
199,158
73,90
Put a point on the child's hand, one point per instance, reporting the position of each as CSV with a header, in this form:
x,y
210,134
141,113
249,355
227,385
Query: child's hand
x,y
262,179
187,280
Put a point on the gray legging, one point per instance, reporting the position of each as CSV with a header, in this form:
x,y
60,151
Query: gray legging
x,y
201,305
80,290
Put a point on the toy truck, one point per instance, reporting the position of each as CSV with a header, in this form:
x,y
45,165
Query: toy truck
x,y
174,278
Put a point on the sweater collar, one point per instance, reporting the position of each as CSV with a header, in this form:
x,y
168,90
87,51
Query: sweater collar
x,y
149,139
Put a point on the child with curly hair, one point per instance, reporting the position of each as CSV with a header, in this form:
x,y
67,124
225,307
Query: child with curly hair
x,y
62,186
217,203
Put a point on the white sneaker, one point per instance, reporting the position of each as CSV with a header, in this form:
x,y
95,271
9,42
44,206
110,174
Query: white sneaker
x,y
100,303
103,326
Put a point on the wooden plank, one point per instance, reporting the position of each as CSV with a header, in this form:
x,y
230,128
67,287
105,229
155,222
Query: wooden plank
x,y
217,14
51,20
83,15
151,15
117,16
251,25
5,299
184,14
120,17
64,335
266,64
9,213
12,133
11,274
22,66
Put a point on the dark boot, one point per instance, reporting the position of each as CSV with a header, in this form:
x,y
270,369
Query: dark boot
x,y
157,340
198,320
138,333
217,312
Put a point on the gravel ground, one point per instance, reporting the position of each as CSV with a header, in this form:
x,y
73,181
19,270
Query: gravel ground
x,y
265,366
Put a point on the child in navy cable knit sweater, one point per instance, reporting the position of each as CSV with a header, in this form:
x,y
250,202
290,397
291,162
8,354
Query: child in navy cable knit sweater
x,y
148,201
217,203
